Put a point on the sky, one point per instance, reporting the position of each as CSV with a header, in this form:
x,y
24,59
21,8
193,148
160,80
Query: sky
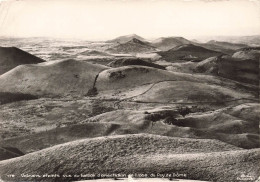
x,y
106,19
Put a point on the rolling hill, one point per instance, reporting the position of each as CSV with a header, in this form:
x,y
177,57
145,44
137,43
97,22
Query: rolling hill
x,y
125,38
132,76
94,53
188,52
166,43
10,57
253,40
34,142
189,91
248,53
242,66
133,61
227,45
209,65
136,153
230,124
133,46
66,77
224,47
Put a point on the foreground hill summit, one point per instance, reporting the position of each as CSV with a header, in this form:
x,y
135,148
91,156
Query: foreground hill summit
x,y
128,154
11,57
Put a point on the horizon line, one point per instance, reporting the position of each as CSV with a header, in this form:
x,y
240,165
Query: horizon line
x,y
105,39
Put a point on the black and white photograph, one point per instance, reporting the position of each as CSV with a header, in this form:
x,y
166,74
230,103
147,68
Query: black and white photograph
x,y
129,90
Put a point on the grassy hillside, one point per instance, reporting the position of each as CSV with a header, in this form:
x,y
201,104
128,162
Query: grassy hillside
x,y
67,77
138,153
38,141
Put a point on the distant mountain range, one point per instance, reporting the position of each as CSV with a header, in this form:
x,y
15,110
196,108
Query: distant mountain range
x,y
225,47
176,48
166,43
253,40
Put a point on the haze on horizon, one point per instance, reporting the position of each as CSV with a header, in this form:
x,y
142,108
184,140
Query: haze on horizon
x,y
107,19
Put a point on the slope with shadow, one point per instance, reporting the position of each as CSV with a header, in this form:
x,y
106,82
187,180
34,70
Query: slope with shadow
x,y
243,66
188,52
233,125
40,115
125,38
9,152
182,67
105,60
229,124
133,46
129,154
7,97
133,61
67,77
10,57
209,66
166,43
38,141
248,53
246,71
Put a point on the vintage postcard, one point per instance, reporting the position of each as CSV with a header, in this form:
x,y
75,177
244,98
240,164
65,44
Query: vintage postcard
x,y
129,90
